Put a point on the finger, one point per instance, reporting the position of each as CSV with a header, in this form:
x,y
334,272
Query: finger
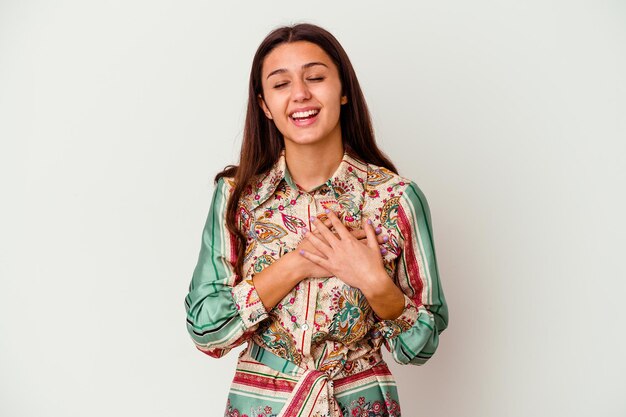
x,y
323,217
307,245
319,244
360,235
371,234
344,233
380,238
377,230
323,262
319,234
330,237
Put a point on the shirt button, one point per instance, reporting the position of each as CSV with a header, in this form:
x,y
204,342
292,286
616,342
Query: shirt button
x,y
305,327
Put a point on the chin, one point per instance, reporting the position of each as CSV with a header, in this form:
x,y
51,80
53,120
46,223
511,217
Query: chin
x,y
305,141
302,142
302,138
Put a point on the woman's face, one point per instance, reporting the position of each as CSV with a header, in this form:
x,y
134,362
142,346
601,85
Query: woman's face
x,y
299,77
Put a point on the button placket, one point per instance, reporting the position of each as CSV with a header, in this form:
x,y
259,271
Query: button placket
x,y
308,315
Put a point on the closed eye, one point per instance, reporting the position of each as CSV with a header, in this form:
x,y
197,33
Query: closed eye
x,y
310,79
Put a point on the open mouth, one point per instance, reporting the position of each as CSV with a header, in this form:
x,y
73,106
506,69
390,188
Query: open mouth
x,y
305,117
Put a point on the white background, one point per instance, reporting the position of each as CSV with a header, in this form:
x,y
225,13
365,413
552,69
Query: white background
x,y
116,115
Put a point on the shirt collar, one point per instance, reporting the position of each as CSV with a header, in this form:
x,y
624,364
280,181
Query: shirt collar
x,y
349,178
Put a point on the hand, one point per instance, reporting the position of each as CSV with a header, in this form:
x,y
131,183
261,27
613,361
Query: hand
x,y
310,269
357,233
304,267
341,254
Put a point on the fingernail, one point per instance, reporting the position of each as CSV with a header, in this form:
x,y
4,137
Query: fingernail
x,y
378,230
383,251
385,238
304,232
312,218
327,211
301,251
369,221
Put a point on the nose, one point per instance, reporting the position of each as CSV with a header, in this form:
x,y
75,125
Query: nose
x,y
299,90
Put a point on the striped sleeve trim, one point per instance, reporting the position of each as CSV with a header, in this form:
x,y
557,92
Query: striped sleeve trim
x,y
214,320
417,275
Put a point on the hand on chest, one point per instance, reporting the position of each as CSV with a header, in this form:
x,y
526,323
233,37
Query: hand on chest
x,y
276,226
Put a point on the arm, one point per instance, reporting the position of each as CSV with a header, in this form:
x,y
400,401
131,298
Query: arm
x,y
274,282
222,309
279,278
413,337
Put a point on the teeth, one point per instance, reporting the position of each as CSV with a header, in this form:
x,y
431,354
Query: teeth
x,y
301,114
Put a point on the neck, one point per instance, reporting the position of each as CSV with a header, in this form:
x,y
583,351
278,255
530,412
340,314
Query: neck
x,y
310,166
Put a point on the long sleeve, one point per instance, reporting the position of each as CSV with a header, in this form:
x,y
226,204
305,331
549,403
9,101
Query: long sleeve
x,y
413,337
223,310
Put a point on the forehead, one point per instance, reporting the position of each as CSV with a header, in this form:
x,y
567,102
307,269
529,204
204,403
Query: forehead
x,y
291,56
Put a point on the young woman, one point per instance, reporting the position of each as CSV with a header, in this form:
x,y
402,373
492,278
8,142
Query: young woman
x,y
315,252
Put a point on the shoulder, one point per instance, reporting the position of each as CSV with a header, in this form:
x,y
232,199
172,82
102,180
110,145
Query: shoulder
x,y
250,195
389,184
224,186
397,196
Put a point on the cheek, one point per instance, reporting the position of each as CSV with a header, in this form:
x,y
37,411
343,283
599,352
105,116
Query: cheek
x,y
333,104
332,98
274,106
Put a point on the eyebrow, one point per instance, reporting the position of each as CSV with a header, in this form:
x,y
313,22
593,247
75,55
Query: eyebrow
x,y
305,66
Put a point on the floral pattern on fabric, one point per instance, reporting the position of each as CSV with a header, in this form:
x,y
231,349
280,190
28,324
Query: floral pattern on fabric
x,y
322,324
259,411
353,317
278,340
362,408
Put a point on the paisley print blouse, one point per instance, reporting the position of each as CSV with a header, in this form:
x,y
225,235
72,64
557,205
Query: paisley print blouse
x,y
323,326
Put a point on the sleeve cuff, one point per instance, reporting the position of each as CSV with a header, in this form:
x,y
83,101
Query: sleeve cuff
x,y
248,303
392,328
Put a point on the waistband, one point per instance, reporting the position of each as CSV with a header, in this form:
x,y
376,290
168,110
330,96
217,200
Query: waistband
x,y
314,390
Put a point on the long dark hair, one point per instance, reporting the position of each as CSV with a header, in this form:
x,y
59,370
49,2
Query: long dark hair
x,y
263,142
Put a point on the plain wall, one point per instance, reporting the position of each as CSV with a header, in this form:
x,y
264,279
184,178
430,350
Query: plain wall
x,y
116,115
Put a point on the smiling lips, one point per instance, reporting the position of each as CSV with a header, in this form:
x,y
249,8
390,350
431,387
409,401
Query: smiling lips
x,y
304,117
304,114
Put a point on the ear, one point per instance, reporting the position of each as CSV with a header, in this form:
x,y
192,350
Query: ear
x,y
344,99
264,107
